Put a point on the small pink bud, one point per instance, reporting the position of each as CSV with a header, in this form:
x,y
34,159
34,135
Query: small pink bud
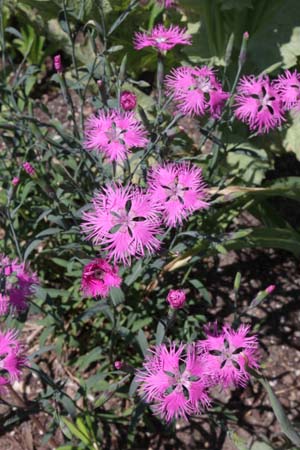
x,y
28,168
128,100
99,82
270,288
15,181
246,35
118,365
58,64
176,298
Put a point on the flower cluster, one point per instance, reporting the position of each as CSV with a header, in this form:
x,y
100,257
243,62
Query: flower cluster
x,y
196,91
18,282
126,221
175,379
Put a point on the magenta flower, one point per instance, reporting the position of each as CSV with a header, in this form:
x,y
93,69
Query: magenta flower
x,y
258,104
19,282
114,134
124,221
196,91
98,277
12,357
29,169
288,88
228,354
128,100
178,190
176,298
162,38
270,288
118,365
174,382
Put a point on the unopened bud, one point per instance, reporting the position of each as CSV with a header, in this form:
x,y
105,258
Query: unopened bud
x,y
58,64
176,298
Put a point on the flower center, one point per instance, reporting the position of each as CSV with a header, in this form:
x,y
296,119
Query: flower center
x,y
175,191
125,220
202,83
115,134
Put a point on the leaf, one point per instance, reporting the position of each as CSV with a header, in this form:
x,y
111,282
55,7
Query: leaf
x,y
160,333
142,341
279,412
117,296
259,445
75,432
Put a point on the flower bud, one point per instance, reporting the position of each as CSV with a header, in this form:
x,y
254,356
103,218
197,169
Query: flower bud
x,y
118,365
28,168
57,63
15,181
270,288
176,298
128,100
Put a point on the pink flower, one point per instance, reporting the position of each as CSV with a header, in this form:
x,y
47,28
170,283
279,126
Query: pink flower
x,y
128,100
288,88
98,277
258,104
19,282
196,90
176,298
178,190
28,168
162,38
12,357
57,63
174,382
15,181
114,133
228,354
124,221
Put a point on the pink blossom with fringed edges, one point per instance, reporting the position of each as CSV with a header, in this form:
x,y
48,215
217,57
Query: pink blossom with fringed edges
x,y
98,277
227,355
173,381
19,283
196,91
288,87
124,222
114,134
178,190
12,358
162,38
258,104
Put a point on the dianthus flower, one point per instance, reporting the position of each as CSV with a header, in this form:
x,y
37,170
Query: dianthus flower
x,y
258,104
227,355
196,91
124,221
128,100
19,282
12,357
98,277
288,87
173,381
176,298
114,133
162,38
178,190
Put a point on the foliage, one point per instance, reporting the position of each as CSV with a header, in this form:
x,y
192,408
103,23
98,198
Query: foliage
x,y
41,217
